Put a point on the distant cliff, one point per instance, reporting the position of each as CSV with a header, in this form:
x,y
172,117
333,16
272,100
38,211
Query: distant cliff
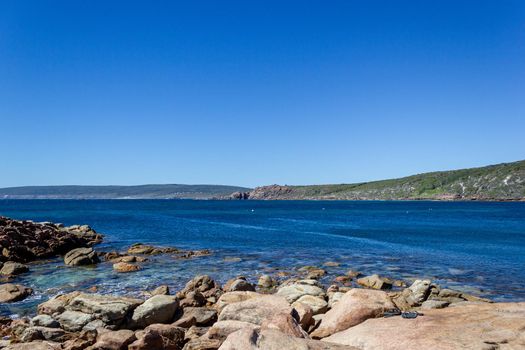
x,y
495,182
121,192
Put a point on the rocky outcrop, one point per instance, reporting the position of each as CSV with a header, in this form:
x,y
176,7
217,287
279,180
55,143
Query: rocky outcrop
x,y
24,241
81,256
10,293
474,326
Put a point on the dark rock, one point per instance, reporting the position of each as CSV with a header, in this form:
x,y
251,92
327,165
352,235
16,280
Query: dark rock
x,y
24,241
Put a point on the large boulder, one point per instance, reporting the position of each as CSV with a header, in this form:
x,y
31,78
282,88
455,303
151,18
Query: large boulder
x,y
256,310
44,321
81,256
113,340
11,268
10,293
74,321
56,304
202,316
355,307
157,309
234,297
300,288
222,329
109,309
471,326
269,339
159,336
317,304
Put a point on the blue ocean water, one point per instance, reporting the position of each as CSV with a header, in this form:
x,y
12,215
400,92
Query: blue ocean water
x,y
477,247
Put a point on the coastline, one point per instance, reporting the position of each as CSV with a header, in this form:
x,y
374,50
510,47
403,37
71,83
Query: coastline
x,y
280,308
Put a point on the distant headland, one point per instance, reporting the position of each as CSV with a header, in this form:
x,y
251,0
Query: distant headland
x,y
500,182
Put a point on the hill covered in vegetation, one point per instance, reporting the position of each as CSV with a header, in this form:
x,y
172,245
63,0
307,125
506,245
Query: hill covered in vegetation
x,y
504,181
120,192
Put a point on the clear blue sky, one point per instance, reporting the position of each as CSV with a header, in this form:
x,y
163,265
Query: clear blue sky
x,y
257,92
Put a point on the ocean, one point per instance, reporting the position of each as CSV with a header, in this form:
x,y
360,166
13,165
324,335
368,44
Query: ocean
x,y
477,247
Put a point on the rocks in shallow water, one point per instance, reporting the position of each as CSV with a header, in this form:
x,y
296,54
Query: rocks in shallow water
x,y
374,282
303,287
23,241
474,326
10,293
157,309
11,268
144,249
355,307
81,256
125,267
317,304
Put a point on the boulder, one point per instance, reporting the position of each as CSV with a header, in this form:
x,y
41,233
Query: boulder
x,y
374,282
74,321
238,284
265,281
434,304
157,309
193,298
81,256
57,304
355,307
256,310
113,340
472,326
203,316
303,287
81,341
161,290
11,268
42,333
10,293
203,284
317,304
334,298
125,267
159,336
285,323
222,329
234,297
304,313
414,295
109,309
269,339
202,344
44,321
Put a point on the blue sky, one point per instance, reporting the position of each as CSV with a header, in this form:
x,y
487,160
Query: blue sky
x,y
257,92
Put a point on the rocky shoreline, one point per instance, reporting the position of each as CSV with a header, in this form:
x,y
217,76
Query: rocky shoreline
x,y
277,312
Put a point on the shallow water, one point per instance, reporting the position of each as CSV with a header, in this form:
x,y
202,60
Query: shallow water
x,y
478,247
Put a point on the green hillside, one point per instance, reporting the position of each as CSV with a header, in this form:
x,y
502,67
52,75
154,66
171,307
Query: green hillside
x,y
495,182
121,192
